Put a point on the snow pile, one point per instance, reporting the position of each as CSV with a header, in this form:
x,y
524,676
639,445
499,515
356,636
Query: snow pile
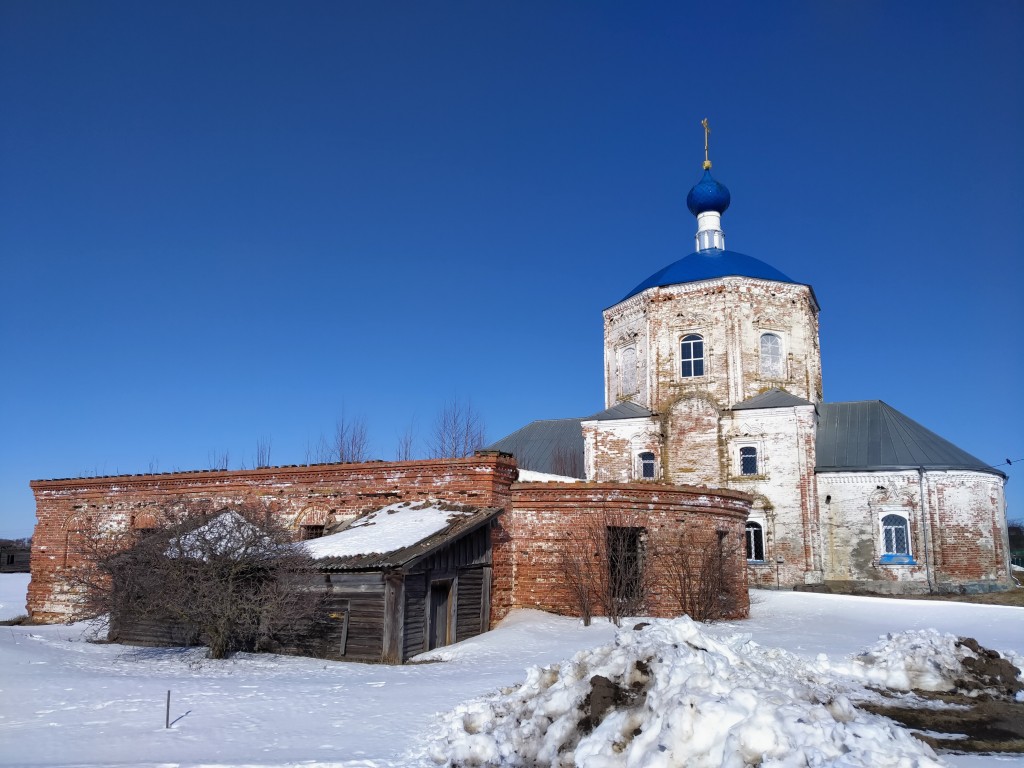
x,y
388,529
671,695
929,660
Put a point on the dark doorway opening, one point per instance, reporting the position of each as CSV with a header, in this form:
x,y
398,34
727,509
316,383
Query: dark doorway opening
x,y
440,613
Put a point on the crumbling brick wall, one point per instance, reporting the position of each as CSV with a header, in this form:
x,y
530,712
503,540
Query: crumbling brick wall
x,y
326,495
545,515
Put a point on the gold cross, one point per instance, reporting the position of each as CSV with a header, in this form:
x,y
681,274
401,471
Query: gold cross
x,y
707,132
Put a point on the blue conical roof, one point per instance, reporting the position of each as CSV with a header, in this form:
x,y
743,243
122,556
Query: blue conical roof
x,y
709,264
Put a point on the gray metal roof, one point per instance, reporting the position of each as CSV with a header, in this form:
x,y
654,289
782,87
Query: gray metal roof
x,y
870,435
554,446
470,520
773,398
624,410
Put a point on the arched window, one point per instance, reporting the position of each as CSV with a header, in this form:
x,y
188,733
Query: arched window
x,y
771,356
755,541
748,460
895,535
627,371
647,465
691,354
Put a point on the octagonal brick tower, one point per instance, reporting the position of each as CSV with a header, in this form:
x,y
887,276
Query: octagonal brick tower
x,y
716,324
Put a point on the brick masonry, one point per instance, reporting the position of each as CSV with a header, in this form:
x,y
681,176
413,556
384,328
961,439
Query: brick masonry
x,y
534,521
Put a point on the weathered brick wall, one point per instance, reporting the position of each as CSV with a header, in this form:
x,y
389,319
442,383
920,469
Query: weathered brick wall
x,y
612,448
547,517
957,536
784,489
730,313
323,494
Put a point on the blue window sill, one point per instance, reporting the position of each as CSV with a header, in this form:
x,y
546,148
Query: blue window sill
x,y
896,560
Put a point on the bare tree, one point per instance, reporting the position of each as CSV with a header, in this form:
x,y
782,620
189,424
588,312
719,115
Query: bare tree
x,y
406,441
351,440
218,459
350,443
262,457
227,577
458,431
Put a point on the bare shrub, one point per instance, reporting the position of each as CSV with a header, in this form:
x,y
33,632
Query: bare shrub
x,y
406,441
458,431
262,457
695,578
226,577
603,564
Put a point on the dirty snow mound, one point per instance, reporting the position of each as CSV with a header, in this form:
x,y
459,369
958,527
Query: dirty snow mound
x,y
670,695
929,660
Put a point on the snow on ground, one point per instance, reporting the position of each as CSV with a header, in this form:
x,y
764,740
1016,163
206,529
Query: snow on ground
x,y
13,588
67,702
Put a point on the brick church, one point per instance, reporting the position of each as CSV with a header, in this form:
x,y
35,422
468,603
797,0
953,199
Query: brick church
x,y
712,370
715,435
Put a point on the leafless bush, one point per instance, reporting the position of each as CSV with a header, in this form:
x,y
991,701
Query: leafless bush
x,y
458,431
695,577
227,577
603,564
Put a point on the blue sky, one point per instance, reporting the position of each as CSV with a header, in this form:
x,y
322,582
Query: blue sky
x,y
221,222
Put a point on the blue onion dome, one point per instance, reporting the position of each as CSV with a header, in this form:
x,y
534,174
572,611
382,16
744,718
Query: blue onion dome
x,y
708,195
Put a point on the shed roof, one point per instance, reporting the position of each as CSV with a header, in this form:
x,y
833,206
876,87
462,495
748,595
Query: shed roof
x,y
397,535
773,398
871,435
553,446
624,410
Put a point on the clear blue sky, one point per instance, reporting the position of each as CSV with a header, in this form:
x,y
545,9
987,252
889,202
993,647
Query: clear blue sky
x,y
227,221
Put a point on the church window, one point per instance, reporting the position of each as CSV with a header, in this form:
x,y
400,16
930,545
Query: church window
x,y
748,460
691,353
647,465
627,371
771,356
755,542
895,535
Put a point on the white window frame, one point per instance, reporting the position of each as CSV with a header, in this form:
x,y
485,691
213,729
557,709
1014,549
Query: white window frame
x,y
737,453
780,371
747,541
901,513
703,359
640,465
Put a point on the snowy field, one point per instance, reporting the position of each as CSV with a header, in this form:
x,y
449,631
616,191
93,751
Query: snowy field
x,y
67,702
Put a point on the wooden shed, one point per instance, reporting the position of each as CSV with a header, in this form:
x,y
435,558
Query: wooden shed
x,y
403,580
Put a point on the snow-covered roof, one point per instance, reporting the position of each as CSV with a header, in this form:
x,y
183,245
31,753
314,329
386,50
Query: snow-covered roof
x,y
396,534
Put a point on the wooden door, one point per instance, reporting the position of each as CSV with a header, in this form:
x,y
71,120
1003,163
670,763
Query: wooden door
x,y
440,611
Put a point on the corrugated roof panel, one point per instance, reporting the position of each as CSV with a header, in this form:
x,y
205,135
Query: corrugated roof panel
x,y
554,446
773,398
624,410
871,435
